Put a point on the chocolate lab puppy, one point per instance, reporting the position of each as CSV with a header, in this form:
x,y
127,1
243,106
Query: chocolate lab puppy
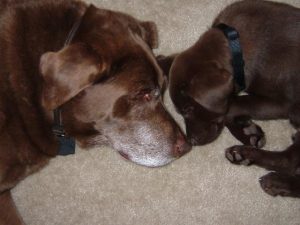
x,y
70,71
205,81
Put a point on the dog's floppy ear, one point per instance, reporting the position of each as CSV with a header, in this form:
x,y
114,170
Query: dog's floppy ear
x,y
67,72
150,34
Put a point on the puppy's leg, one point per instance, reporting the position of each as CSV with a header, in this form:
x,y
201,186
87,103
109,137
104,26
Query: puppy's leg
x,y
281,184
247,107
287,161
8,211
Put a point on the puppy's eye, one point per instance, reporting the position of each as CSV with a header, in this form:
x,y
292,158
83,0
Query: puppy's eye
x,y
182,89
218,120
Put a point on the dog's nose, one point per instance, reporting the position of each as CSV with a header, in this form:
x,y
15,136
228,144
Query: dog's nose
x,y
181,146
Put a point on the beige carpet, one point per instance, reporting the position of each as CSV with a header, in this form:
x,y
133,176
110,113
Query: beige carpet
x,y
98,187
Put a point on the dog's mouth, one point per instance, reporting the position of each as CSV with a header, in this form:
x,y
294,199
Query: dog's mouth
x,y
152,162
156,157
148,160
153,152
124,155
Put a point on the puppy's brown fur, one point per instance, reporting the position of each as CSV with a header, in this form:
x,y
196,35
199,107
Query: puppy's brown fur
x,y
106,82
204,92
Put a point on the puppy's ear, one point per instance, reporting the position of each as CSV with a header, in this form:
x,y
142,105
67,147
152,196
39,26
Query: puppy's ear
x,y
212,86
165,63
150,34
67,72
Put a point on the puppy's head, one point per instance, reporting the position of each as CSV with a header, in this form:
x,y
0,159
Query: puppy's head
x,y
200,83
110,88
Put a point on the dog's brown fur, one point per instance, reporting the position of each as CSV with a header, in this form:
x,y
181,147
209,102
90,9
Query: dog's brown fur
x,y
203,90
106,81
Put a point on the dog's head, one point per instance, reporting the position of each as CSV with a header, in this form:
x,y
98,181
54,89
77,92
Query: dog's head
x,y
110,88
200,85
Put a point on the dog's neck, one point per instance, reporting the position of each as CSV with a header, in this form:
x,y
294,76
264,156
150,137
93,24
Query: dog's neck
x,y
66,143
23,83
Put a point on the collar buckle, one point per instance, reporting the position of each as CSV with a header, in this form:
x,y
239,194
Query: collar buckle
x,y
58,131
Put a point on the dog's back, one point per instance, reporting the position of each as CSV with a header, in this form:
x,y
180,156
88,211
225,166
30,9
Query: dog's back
x,y
270,34
263,18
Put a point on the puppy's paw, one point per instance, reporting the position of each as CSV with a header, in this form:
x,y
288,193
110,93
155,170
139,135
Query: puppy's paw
x,y
255,134
276,184
240,155
247,132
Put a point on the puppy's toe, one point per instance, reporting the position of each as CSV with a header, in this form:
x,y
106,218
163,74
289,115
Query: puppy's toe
x,y
274,185
235,156
296,137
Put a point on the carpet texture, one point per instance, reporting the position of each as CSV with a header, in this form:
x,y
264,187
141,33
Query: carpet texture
x,y
98,187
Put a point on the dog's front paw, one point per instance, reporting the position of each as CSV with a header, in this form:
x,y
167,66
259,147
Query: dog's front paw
x,y
239,155
255,134
275,184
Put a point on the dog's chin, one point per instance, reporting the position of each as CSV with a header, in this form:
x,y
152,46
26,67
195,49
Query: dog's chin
x,y
149,161
152,162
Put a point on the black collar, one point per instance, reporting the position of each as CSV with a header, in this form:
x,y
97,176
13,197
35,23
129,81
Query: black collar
x,y
237,54
66,144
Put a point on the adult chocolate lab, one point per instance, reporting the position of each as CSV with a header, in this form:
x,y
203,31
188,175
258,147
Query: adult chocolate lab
x,y
72,72
252,46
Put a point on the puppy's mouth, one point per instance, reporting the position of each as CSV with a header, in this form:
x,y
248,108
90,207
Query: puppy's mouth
x,y
195,141
205,137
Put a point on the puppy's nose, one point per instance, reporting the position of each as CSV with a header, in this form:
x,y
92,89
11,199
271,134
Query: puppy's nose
x,y
181,146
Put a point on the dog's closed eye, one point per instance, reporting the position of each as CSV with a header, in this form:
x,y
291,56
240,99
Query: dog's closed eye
x,y
147,97
148,94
